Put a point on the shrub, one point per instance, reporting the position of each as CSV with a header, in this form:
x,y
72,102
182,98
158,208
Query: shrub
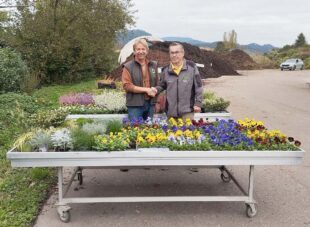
x,y
48,118
114,126
15,109
82,121
211,103
27,103
263,61
23,142
82,141
94,128
12,71
307,63
41,141
62,140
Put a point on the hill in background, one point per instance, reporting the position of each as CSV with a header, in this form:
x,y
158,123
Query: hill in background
x,y
250,48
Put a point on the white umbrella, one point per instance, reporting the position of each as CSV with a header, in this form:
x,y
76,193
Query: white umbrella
x,y
127,50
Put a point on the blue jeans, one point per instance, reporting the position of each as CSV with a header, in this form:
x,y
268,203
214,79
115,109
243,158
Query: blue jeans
x,y
145,111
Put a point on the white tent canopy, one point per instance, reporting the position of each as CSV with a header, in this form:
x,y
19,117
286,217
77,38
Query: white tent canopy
x,y
127,50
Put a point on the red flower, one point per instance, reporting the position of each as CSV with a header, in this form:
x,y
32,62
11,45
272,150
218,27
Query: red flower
x,y
291,139
297,143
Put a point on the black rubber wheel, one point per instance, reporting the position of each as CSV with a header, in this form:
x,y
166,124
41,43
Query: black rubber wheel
x,y
80,178
225,179
281,69
250,212
294,67
65,217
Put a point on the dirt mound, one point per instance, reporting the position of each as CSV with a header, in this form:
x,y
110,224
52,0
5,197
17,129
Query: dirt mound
x,y
214,65
240,60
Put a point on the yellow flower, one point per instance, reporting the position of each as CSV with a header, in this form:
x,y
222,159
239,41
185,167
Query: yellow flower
x,y
188,122
180,122
197,134
188,133
161,137
150,138
178,133
262,135
104,140
173,122
140,140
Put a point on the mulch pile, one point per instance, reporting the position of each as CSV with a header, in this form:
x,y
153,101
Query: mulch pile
x,y
239,59
214,64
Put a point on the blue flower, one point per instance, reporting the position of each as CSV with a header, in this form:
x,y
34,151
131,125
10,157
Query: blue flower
x,y
126,120
174,128
165,128
191,127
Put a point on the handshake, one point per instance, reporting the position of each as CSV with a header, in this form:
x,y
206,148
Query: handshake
x,y
151,91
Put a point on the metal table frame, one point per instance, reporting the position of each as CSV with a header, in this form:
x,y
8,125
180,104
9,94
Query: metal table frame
x,y
154,158
63,208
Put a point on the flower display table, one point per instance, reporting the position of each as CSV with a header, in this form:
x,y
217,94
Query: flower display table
x,y
154,157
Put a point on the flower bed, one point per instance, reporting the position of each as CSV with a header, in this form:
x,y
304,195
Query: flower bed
x,y
107,102
114,102
92,135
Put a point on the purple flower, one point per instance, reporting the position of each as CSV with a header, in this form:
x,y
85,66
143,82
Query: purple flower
x,y
76,99
183,128
174,128
126,121
165,128
226,133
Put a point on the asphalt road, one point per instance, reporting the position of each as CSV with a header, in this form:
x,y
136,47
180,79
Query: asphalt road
x,y
281,100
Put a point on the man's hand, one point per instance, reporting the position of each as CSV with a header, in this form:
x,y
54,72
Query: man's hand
x,y
197,109
151,92
154,89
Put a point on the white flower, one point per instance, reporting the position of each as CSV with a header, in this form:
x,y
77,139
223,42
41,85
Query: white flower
x,y
111,100
61,139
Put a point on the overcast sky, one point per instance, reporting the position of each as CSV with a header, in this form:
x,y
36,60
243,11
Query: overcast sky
x,y
276,22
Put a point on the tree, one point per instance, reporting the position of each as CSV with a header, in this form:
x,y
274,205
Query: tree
x,y
230,40
220,47
68,40
3,20
300,41
12,71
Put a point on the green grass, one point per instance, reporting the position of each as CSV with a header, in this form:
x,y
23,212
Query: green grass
x,y
23,190
21,193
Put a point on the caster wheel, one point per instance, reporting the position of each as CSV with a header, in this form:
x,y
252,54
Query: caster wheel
x,y
251,210
65,216
225,178
80,178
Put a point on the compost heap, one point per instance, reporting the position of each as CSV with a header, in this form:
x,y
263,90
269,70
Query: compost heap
x,y
239,59
214,64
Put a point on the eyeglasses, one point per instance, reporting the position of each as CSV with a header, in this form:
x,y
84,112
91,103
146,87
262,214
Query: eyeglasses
x,y
175,52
